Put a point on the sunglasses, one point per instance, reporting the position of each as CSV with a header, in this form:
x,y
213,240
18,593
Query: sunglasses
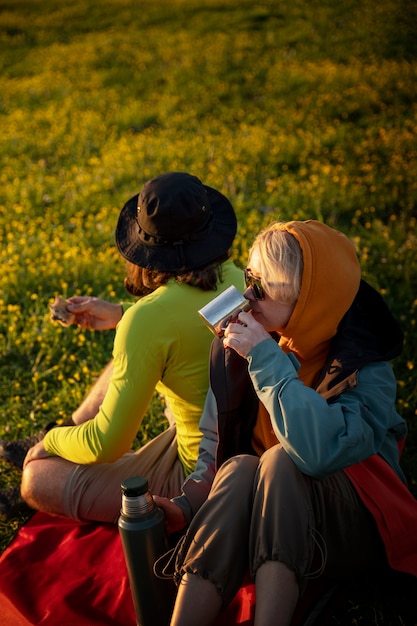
x,y
255,284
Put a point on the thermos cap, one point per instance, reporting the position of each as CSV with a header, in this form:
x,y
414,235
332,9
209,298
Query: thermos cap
x,y
134,486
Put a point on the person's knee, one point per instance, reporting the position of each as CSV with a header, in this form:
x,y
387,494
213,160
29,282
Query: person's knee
x,y
34,480
276,461
28,482
279,473
242,463
238,469
43,482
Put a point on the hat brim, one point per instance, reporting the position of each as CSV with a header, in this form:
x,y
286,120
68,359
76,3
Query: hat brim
x,y
166,258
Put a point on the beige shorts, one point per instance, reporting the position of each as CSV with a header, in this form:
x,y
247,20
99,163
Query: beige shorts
x,y
93,492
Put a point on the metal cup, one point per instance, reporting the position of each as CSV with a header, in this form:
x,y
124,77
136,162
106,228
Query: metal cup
x,y
224,309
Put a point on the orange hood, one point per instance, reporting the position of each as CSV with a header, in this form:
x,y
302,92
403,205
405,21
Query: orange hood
x,y
330,282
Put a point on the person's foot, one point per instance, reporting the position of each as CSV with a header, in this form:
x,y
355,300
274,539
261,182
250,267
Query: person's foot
x,y
14,452
11,502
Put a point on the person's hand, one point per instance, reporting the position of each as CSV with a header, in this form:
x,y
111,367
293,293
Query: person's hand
x,y
35,453
94,313
244,334
174,516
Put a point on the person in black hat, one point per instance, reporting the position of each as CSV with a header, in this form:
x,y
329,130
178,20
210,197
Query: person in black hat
x,y
176,236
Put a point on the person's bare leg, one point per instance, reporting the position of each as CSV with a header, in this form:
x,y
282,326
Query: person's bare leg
x,y
276,594
89,407
197,603
43,483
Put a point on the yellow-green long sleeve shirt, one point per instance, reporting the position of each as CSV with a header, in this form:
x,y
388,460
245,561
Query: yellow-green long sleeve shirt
x,y
161,343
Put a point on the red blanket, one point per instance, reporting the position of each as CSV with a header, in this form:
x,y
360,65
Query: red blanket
x,y
60,572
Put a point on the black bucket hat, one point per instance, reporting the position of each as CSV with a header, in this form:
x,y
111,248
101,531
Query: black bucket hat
x,y
175,224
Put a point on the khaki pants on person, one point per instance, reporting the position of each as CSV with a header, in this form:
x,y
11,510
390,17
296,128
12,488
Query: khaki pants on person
x,y
266,509
94,491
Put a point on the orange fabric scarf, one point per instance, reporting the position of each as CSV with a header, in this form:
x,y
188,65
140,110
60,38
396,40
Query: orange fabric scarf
x,y
330,281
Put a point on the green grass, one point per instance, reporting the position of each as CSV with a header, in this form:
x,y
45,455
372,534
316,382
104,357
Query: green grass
x,y
299,110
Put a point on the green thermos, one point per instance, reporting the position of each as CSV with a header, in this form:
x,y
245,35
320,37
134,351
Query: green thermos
x,y
144,540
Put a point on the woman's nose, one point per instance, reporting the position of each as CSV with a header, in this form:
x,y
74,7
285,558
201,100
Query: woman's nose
x,y
248,294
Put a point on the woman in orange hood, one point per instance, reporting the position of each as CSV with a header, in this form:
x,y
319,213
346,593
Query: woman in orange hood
x,y
301,441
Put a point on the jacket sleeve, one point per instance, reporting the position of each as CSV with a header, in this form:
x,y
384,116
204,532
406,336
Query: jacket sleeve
x,y
323,437
197,485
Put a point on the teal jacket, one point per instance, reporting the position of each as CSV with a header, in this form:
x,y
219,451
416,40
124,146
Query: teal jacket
x,y
347,422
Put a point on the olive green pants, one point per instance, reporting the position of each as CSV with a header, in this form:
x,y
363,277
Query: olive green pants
x,y
266,509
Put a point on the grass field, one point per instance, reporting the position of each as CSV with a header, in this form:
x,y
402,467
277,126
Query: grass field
x,y
305,110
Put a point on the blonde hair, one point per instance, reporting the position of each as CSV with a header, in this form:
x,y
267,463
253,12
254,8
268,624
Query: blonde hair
x,y
280,262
